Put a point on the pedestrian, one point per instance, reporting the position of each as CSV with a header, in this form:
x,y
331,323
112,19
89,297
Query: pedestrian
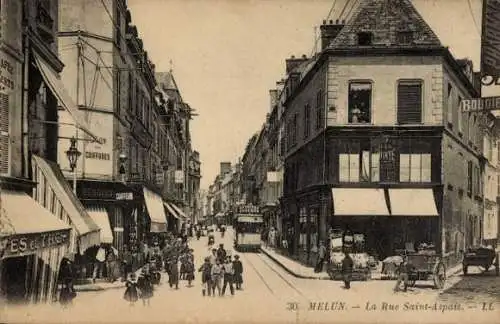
x,y
206,277
213,256
100,258
228,276
189,267
321,257
173,279
131,295
403,270
67,293
347,266
145,286
238,272
221,253
126,263
217,274
182,272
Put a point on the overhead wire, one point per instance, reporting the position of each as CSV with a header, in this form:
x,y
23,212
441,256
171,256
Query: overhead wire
x,y
354,4
473,17
343,9
317,37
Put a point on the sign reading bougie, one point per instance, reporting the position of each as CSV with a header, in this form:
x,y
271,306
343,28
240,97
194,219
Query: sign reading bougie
x,y
480,104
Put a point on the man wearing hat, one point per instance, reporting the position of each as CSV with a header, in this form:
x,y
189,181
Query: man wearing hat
x,y
403,269
238,272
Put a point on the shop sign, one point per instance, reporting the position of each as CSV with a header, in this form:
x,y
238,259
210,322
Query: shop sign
x,y
490,38
94,193
480,104
124,196
7,74
18,245
247,209
99,155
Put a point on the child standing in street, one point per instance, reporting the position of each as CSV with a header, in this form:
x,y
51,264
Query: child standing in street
x,y
131,294
217,274
238,272
145,286
206,277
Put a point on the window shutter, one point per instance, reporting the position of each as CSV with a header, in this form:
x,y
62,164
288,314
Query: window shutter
x,y
409,103
4,133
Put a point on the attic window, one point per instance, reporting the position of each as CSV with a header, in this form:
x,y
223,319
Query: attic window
x,y
405,37
365,38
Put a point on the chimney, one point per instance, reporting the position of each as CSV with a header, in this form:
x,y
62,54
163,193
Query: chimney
x,y
292,63
273,94
225,167
330,31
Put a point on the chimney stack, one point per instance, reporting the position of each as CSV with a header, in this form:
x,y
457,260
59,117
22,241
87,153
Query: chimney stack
x,y
292,63
329,32
273,94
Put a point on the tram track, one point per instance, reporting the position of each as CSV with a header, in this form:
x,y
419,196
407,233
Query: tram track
x,y
258,262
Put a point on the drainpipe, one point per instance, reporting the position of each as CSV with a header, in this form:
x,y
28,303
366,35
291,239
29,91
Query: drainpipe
x,y
24,110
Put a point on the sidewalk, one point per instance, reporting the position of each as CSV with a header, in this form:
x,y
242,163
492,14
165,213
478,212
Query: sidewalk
x,y
103,284
293,267
299,270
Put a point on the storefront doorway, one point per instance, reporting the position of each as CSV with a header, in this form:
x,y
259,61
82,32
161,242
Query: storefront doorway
x,y
13,281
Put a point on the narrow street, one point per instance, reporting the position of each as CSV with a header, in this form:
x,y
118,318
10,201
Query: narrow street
x,y
268,292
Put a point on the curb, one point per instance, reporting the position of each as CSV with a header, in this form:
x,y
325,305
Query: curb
x,y
290,271
96,287
453,272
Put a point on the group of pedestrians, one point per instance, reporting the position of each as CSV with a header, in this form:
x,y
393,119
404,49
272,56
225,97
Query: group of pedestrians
x,y
219,271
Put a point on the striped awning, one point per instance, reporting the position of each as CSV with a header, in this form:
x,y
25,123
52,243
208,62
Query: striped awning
x,y
179,211
100,216
87,231
171,210
154,205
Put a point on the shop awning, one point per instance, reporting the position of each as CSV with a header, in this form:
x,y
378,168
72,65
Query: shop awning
x,y
100,216
179,211
57,87
25,216
85,228
29,226
359,202
171,210
154,205
412,202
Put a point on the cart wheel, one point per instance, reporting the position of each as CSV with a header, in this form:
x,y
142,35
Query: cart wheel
x,y
439,276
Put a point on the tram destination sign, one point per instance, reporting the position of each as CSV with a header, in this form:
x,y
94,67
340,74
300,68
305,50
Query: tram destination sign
x,y
480,104
247,209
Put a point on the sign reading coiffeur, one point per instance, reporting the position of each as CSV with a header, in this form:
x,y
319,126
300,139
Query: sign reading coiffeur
x,y
18,245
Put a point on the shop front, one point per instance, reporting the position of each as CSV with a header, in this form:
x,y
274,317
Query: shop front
x,y
391,219
174,220
30,256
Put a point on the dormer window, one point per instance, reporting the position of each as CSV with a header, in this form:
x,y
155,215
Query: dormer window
x,y
365,38
405,37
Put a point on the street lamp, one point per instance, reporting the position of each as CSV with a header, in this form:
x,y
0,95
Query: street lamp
x,y
123,159
73,154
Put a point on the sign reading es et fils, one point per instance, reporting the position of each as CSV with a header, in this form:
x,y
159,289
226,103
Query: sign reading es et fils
x,y
19,245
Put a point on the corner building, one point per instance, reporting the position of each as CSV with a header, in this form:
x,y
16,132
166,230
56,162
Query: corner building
x,y
375,140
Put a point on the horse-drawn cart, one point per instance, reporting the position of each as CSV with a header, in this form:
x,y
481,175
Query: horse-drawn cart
x,y
426,267
481,257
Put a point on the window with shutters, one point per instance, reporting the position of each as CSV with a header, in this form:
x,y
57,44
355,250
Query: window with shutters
x,y
4,133
409,102
307,120
460,116
449,104
320,109
469,178
360,98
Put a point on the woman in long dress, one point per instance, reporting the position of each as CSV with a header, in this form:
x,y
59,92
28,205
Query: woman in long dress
x,y
145,286
131,295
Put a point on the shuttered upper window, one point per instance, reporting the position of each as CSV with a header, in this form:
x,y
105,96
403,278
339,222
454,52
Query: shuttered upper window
x,y
4,133
409,102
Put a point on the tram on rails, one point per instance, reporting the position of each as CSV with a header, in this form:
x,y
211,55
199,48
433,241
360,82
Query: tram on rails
x,y
248,223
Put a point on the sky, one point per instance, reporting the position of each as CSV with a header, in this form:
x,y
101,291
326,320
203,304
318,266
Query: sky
x,y
227,54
